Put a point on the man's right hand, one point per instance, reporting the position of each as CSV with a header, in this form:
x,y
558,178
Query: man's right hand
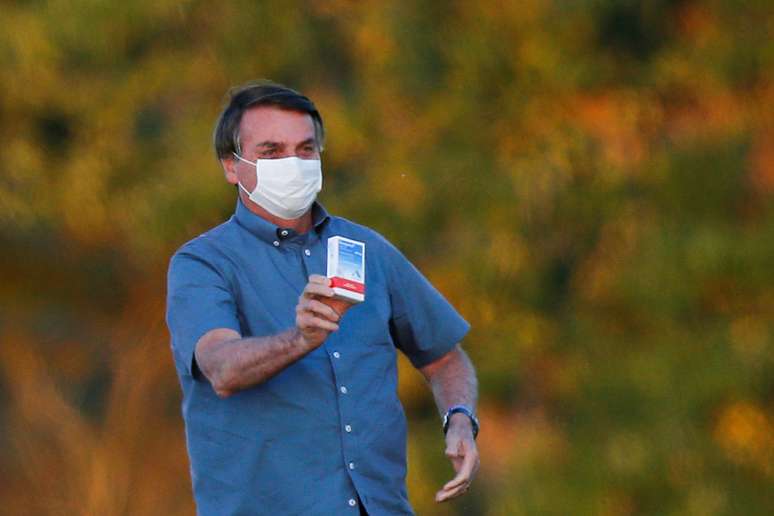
x,y
317,313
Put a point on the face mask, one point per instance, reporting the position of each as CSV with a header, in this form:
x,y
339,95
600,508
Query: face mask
x,y
286,187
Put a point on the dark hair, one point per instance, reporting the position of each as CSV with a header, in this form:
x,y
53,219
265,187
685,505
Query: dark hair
x,y
261,93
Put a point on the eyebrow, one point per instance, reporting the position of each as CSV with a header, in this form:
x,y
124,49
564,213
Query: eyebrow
x,y
273,144
269,143
307,142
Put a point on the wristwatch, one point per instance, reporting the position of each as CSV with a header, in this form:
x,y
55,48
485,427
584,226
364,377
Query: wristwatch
x,y
465,410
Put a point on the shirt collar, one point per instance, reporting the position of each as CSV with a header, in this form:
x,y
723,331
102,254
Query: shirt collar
x,y
269,232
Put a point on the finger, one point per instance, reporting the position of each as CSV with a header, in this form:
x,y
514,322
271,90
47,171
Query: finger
x,y
456,460
319,308
453,450
339,305
442,496
447,494
464,474
310,322
320,280
317,289
462,477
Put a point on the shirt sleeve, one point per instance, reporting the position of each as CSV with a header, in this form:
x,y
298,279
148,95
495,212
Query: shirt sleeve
x,y
424,325
198,300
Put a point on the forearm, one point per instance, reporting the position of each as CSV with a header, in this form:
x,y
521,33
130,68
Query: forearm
x,y
452,380
235,364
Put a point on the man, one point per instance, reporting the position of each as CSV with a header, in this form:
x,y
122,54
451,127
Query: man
x,y
289,395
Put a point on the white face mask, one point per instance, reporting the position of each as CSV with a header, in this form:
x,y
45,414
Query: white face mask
x,y
285,187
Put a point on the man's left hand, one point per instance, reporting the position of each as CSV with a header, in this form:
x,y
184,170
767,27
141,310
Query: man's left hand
x,y
461,450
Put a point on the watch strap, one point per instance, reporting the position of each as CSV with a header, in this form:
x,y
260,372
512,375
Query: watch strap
x,y
464,410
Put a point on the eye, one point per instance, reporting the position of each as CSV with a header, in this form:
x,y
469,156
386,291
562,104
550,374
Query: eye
x,y
308,150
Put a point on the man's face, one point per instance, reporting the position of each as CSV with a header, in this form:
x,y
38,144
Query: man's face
x,y
267,132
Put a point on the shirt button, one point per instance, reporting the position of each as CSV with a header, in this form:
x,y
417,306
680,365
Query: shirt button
x,y
352,502
284,232
336,354
343,390
347,428
276,244
351,465
307,252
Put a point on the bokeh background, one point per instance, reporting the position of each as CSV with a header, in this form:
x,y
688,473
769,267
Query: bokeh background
x,y
589,182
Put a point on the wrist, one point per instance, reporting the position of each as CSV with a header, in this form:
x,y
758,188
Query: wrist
x,y
459,420
297,338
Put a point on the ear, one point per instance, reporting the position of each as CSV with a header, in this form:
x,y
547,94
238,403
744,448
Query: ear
x,y
229,170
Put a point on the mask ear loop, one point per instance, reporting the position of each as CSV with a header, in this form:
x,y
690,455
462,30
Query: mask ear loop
x,y
240,158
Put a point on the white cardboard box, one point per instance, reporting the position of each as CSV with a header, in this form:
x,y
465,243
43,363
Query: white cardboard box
x,y
346,268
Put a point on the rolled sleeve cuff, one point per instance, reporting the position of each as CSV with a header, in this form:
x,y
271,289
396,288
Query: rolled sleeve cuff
x,y
441,344
184,346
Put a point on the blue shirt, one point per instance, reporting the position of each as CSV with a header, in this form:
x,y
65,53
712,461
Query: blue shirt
x,y
328,430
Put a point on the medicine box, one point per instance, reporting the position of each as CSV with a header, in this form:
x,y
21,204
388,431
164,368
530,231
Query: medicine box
x,y
346,268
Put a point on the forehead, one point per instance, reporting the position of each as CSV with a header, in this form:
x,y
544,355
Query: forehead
x,y
270,123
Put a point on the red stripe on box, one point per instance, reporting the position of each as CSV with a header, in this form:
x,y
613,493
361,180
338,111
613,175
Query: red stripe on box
x,y
354,286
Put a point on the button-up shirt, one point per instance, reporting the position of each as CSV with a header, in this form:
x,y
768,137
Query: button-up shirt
x,y
328,432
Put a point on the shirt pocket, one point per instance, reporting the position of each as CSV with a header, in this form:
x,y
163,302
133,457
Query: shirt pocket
x,y
367,323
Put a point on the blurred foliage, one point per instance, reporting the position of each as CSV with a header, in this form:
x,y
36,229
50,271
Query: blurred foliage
x,y
589,182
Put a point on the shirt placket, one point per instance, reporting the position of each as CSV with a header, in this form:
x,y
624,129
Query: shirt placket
x,y
313,255
349,427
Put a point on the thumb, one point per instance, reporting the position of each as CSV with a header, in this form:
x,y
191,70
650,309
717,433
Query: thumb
x,y
453,448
